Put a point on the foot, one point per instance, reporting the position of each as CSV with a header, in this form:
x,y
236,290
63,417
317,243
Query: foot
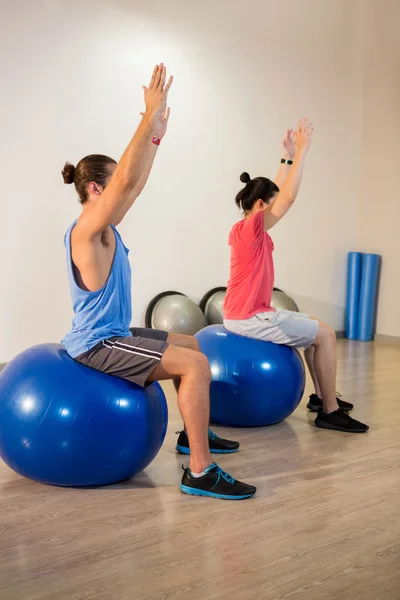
x,y
339,420
216,484
217,444
315,403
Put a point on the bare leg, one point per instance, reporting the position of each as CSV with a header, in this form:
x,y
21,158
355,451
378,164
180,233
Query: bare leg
x,y
309,355
325,366
193,370
183,341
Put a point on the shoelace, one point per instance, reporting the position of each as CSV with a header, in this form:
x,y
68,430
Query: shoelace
x,y
345,413
213,436
220,473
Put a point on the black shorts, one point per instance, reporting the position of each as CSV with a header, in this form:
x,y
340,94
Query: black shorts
x,y
132,358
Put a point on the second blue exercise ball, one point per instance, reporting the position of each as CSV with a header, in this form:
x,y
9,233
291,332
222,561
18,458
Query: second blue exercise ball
x,y
65,424
254,383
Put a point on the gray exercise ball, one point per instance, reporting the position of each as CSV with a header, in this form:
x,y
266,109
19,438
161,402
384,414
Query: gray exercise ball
x,y
281,300
214,309
177,314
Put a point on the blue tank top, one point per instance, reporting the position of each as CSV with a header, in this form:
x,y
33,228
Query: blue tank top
x,y
104,313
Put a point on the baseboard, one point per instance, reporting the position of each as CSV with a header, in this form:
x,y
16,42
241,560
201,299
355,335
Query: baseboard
x,y
340,335
388,339
2,365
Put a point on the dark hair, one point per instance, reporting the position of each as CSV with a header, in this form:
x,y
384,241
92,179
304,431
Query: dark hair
x,y
255,189
94,167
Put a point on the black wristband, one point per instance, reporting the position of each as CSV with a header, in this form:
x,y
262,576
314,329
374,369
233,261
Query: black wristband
x,y
286,162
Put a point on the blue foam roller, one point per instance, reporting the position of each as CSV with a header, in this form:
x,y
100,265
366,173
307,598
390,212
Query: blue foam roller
x,y
354,263
368,296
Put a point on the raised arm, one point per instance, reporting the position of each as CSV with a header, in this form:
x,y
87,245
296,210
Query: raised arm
x,y
163,123
288,152
289,190
136,161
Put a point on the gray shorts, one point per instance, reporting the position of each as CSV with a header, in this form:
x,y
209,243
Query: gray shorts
x,y
132,358
279,326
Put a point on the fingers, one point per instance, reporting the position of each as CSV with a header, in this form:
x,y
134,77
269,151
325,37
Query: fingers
x,y
165,114
304,127
170,80
159,75
153,78
163,76
158,79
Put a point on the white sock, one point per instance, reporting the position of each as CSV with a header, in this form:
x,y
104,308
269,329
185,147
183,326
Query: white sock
x,y
197,475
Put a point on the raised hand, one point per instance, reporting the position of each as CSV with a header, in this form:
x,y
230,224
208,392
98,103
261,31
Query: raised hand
x,y
155,96
288,145
303,135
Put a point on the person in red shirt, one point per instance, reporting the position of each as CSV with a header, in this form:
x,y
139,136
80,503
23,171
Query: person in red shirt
x,y
247,307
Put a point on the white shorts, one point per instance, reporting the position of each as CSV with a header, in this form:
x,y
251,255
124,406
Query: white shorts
x,y
279,326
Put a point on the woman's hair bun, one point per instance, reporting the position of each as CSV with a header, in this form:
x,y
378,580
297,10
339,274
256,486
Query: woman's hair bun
x,y
68,173
245,178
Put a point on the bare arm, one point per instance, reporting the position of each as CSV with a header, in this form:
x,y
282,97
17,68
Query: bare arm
x,y
138,158
287,195
288,152
163,123
138,189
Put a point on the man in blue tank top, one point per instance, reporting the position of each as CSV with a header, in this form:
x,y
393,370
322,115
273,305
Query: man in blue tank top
x,y
100,283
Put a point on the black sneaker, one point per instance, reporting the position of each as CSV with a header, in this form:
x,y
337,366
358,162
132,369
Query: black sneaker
x,y
216,484
339,420
217,444
315,403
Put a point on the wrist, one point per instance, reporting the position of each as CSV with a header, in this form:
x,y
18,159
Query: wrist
x,y
287,156
287,161
301,152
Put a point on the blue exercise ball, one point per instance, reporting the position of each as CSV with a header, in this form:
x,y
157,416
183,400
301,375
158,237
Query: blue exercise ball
x,y
62,423
254,383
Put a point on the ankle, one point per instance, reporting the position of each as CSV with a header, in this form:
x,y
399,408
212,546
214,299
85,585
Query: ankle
x,y
199,465
330,407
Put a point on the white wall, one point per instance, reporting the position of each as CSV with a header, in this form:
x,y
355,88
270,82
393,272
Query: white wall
x,y
71,75
379,199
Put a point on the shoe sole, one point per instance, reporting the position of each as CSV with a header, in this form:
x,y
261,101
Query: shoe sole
x,y
197,492
323,425
184,450
313,408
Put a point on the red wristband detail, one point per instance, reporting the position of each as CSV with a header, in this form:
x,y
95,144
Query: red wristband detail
x,y
156,141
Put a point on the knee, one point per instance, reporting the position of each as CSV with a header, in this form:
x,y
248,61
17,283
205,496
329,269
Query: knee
x,y
201,367
331,334
326,335
194,344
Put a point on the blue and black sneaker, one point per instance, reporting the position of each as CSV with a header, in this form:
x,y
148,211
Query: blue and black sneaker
x,y
217,445
216,484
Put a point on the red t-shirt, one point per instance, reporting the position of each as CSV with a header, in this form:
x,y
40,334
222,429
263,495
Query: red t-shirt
x,y
251,278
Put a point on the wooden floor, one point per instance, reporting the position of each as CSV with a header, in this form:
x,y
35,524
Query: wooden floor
x,y
325,523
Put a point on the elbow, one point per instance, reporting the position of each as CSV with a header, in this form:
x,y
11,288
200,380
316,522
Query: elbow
x,y
126,183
